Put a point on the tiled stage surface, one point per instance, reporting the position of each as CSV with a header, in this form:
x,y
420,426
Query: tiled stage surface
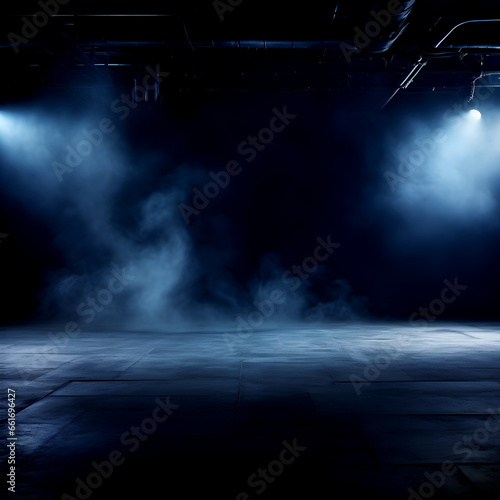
x,y
432,390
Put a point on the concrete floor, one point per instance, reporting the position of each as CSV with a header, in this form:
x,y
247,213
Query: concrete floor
x,y
281,400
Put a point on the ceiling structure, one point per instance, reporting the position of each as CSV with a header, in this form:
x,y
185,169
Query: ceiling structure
x,y
370,45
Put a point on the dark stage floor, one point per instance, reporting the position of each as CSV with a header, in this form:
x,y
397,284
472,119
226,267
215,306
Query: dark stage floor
x,y
365,411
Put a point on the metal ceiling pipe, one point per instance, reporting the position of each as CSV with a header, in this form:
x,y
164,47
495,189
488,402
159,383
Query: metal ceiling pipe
x,y
419,66
218,44
473,46
477,46
408,80
275,44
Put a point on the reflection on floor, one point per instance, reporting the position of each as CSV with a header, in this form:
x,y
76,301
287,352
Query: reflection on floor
x,y
374,411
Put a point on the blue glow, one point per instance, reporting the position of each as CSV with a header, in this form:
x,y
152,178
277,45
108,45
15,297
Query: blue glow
x,y
14,129
5,124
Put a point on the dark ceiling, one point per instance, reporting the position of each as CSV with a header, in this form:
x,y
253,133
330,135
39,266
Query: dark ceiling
x,y
252,44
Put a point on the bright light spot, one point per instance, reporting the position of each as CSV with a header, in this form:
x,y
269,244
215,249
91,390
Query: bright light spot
x,y
3,121
6,126
475,114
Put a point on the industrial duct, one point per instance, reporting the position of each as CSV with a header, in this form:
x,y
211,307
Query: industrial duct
x,y
395,26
